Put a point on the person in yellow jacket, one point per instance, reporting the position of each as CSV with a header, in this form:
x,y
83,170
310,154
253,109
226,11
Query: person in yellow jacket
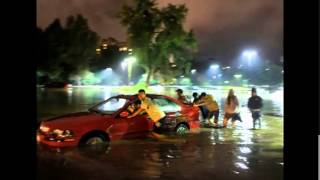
x,y
212,106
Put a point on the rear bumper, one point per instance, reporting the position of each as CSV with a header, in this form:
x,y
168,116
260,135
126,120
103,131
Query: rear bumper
x,y
56,143
194,124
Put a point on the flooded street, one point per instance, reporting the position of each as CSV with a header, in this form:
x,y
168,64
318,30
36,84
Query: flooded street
x,y
207,153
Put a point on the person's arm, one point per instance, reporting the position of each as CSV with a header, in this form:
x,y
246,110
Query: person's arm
x,y
236,101
136,113
249,103
201,103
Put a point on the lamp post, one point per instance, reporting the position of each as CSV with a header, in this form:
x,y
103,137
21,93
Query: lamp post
x,y
128,62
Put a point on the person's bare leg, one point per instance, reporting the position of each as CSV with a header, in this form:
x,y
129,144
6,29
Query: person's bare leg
x,y
233,124
156,135
225,122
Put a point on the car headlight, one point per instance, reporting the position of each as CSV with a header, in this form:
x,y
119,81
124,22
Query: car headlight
x,y
44,128
62,133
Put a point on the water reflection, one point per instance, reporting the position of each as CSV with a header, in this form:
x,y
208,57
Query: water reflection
x,y
241,165
204,154
245,150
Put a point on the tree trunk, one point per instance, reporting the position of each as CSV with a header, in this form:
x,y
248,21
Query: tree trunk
x,y
148,77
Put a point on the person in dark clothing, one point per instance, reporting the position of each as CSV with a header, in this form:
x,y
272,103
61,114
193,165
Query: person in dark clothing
x,y
195,98
255,103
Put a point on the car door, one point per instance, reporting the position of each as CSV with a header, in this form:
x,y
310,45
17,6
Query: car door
x,y
117,127
141,125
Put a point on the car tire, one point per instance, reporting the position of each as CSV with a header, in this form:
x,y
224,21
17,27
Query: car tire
x,y
181,129
94,145
93,139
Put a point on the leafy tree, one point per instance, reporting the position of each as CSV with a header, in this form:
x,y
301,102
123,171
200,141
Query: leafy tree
x,y
156,35
63,52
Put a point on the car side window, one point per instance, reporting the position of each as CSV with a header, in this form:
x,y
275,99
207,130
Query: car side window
x,y
112,105
166,105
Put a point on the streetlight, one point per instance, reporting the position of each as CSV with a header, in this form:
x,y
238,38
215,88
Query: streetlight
x,y
109,69
214,66
249,55
128,62
237,76
227,67
193,71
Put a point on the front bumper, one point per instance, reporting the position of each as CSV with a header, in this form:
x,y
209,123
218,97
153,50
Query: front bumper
x,y
42,139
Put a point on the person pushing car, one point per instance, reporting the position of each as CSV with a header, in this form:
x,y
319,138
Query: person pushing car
x,y
153,111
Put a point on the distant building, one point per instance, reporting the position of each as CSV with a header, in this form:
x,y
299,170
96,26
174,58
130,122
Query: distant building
x,y
111,42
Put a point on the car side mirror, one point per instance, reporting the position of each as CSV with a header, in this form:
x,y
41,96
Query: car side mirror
x,y
124,114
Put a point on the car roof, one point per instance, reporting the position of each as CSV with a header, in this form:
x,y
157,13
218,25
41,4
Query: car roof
x,y
135,96
131,97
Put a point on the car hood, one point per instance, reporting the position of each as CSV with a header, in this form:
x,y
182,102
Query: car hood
x,y
75,120
71,115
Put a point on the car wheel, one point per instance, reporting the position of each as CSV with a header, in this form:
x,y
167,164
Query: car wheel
x,y
182,129
95,140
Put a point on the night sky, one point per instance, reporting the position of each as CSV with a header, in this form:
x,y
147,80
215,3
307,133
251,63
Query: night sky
x,y
223,28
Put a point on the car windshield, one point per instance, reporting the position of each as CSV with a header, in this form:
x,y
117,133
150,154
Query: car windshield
x,y
166,105
110,106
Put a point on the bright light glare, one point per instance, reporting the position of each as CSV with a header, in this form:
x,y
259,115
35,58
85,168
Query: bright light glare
x,y
44,128
123,65
249,53
214,66
241,165
193,71
227,67
237,76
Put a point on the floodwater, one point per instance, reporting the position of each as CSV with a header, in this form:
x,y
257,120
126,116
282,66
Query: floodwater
x,y
239,153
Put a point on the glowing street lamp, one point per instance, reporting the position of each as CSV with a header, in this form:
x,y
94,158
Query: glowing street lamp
x,y
193,71
227,67
214,66
237,76
249,55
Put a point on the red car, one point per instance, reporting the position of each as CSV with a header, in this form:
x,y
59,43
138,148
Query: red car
x,y
107,121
